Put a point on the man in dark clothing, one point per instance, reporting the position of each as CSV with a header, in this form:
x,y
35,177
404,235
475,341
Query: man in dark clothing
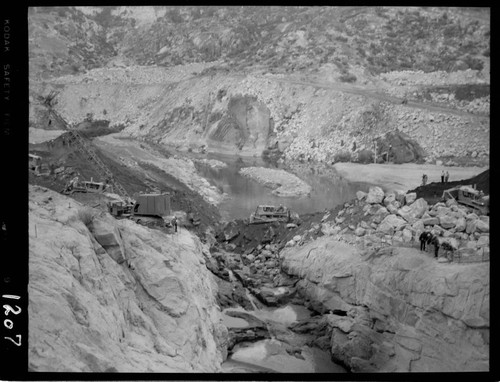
x,y
174,222
423,239
442,176
435,241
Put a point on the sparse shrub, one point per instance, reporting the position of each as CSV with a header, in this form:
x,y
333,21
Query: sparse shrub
x,y
348,77
342,156
86,216
175,16
474,63
365,156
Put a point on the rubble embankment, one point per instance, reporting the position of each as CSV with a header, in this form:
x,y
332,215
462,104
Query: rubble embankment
x,y
114,296
181,168
282,182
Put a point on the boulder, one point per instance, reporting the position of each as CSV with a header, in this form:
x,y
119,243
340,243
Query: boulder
x,y
482,226
400,196
360,195
231,230
410,198
414,211
359,231
392,209
430,221
471,226
109,237
451,202
460,224
389,198
297,238
394,221
447,221
375,195
407,235
418,225
483,240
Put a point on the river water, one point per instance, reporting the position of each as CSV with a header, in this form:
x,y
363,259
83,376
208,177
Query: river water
x,y
271,355
328,188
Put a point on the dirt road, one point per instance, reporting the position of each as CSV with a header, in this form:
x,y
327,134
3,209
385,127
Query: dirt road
x,y
402,176
366,92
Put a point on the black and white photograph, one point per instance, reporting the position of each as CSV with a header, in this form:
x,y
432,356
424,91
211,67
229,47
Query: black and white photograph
x,y
257,189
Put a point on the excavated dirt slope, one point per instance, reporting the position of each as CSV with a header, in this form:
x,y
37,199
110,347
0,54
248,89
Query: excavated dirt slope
x,y
244,115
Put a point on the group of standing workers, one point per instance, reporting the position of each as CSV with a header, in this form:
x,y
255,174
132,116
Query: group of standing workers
x,y
445,176
428,238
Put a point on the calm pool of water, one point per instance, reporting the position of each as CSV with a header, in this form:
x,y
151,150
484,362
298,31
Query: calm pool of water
x,y
328,188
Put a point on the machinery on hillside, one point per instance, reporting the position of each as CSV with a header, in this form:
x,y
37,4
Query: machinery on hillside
x,y
268,214
469,196
151,210
75,185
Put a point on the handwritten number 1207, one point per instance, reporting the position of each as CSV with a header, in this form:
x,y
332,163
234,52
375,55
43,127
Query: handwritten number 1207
x,y
9,324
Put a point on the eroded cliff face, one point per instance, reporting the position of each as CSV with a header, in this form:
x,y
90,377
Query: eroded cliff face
x,y
396,309
111,295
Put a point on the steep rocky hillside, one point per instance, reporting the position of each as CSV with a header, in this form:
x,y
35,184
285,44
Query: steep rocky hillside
x,y
311,83
113,296
281,38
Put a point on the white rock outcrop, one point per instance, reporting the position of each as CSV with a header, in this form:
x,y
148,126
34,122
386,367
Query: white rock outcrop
x,y
404,311
111,295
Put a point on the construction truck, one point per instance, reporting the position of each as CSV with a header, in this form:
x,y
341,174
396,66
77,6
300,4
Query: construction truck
x,y
469,196
151,210
268,214
75,185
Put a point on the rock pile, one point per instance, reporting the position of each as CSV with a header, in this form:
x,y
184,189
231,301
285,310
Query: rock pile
x,y
397,218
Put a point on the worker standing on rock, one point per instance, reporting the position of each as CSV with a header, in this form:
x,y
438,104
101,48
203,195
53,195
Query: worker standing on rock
x,y
424,236
442,176
446,177
435,241
174,223
424,180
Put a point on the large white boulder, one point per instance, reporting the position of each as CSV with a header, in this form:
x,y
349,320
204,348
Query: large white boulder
x,y
375,195
447,221
410,198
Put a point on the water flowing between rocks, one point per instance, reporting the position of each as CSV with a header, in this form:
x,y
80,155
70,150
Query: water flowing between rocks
x,y
284,351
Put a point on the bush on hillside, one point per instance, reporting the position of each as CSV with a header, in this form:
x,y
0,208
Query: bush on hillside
x,y
365,156
348,77
342,156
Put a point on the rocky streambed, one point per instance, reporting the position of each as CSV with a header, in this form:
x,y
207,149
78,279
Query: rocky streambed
x,y
270,329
